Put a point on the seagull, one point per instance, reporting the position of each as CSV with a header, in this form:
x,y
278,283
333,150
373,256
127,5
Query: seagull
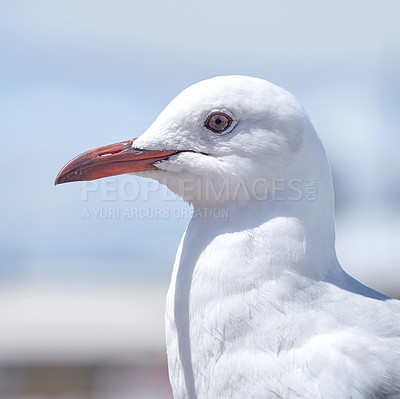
x,y
258,305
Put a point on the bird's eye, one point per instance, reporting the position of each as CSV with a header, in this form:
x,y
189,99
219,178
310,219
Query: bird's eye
x,y
218,122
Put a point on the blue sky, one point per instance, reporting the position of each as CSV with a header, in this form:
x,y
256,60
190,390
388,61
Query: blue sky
x,y
79,74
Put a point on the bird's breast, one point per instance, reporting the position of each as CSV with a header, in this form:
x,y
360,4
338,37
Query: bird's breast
x,y
219,302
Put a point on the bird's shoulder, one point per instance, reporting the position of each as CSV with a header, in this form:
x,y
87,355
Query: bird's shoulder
x,y
355,336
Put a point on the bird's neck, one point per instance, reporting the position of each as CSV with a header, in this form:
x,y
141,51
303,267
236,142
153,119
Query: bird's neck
x,y
274,236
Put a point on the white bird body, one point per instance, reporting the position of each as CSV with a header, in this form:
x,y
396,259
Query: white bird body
x,y
259,306
241,323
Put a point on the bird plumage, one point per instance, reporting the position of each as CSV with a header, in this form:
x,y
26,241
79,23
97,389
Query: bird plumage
x,y
242,322
258,305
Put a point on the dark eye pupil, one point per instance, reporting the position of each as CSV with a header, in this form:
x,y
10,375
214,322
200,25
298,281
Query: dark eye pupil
x,y
218,122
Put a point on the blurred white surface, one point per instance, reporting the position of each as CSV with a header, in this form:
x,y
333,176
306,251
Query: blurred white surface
x,y
81,324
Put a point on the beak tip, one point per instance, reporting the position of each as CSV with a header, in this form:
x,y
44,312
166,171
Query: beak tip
x,y
66,177
61,177
57,179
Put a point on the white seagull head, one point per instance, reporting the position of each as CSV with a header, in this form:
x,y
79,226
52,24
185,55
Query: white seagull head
x,y
229,139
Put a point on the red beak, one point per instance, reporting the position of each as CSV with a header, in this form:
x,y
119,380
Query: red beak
x,y
110,160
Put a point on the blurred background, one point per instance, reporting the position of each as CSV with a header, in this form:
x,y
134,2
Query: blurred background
x,y
84,268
